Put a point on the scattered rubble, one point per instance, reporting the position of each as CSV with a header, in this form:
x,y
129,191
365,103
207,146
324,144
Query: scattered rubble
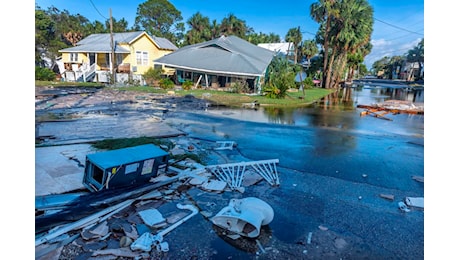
x,y
135,219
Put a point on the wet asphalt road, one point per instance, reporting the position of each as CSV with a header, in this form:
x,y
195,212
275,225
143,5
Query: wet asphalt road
x,y
331,177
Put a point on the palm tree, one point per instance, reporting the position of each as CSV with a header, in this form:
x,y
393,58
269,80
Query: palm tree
x,y
356,58
322,12
294,36
349,28
200,29
231,25
214,29
308,49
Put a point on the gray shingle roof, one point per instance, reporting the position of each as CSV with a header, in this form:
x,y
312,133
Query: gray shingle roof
x,y
224,55
100,42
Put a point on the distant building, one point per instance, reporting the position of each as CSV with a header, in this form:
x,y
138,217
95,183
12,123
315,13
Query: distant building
x,y
284,48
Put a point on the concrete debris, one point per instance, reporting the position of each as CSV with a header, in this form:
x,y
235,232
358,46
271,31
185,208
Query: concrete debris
x,y
125,241
323,228
214,185
416,202
387,196
418,178
310,234
403,207
151,217
101,229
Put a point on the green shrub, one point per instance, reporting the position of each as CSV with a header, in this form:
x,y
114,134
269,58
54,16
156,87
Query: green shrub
x,y
281,77
308,83
272,91
239,86
187,85
44,74
166,83
152,76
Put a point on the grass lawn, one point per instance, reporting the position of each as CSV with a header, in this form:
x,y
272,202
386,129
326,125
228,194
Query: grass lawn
x,y
236,100
294,99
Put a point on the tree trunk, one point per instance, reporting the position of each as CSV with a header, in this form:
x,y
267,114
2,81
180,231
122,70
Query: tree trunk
x,y
329,70
338,71
326,52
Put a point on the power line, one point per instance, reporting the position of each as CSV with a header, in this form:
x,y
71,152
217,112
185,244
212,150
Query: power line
x,y
308,33
98,10
406,35
397,27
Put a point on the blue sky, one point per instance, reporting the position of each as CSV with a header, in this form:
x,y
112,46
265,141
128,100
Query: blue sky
x,y
398,24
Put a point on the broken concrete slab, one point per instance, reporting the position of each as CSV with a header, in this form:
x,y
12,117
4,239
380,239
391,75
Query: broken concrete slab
x,y
214,185
416,202
387,196
66,173
151,217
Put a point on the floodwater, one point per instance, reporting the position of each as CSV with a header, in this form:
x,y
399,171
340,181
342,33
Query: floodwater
x,y
333,165
328,138
335,111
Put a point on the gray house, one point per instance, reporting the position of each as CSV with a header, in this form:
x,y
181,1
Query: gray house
x,y
220,62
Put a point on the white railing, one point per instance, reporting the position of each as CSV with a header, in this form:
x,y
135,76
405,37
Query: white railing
x,y
89,71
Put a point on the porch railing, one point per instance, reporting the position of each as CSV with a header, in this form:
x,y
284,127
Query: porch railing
x,y
89,72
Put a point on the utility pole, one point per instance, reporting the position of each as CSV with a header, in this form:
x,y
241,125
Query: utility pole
x,y
112,54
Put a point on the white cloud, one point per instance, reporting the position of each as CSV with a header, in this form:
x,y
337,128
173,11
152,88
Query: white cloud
x,y
383,47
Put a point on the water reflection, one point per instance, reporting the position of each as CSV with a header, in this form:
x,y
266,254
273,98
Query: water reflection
x,y
339,111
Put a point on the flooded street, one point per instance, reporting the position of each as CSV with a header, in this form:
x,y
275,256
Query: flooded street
x,y
328,138
334,164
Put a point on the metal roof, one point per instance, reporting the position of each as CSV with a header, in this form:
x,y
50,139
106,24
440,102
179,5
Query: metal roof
x,y
101,42
114,158
224,55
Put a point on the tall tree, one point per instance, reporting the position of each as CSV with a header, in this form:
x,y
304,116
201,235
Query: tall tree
x,y
261,37
214,29
117,25
231,25
322,12
417,55
158,18
295,36
44,34
346,26
308,49
200,29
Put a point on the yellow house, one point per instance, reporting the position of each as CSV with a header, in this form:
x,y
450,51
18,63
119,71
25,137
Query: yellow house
x,y
94,59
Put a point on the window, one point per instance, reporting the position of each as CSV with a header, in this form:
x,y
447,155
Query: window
x,y
107,59
119,58
73,57
142,58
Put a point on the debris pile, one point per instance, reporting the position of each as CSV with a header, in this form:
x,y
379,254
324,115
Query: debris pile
x,y
137,223
392,106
